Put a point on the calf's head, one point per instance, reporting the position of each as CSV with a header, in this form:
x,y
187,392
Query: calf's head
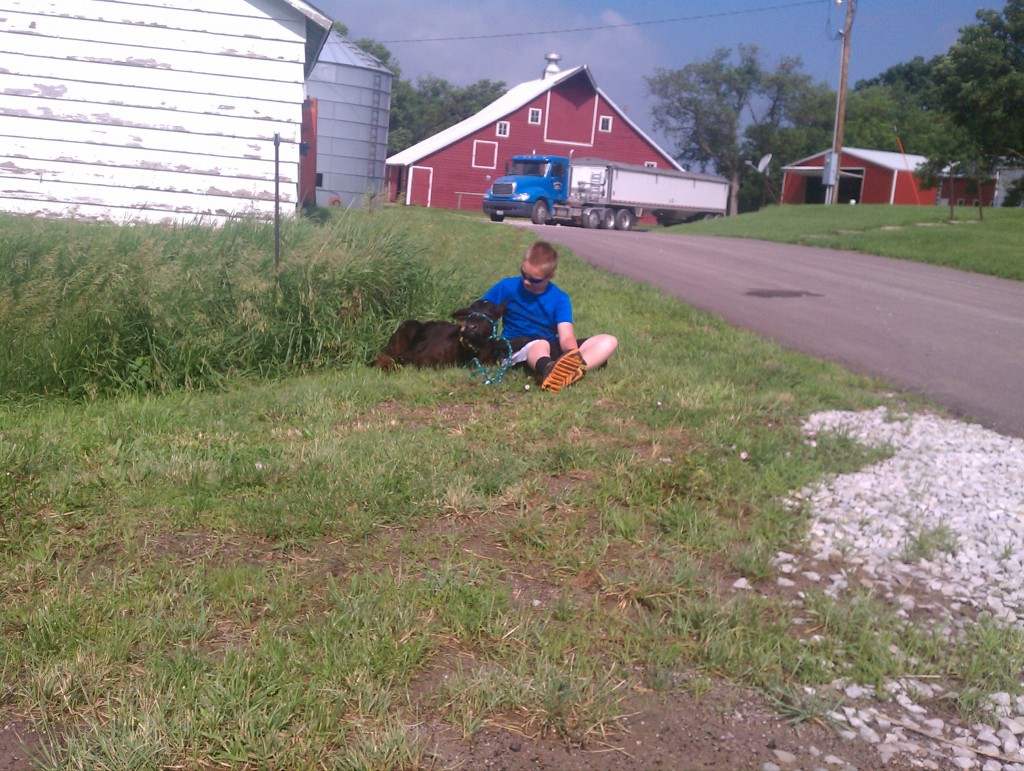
x,y
478,321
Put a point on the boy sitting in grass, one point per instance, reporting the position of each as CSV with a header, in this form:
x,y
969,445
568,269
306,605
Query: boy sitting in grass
x,y
538,323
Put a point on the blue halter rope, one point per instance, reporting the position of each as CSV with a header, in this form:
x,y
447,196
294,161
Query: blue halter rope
x,y
479,370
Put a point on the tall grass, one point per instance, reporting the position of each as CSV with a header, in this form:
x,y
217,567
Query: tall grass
x,y
93,309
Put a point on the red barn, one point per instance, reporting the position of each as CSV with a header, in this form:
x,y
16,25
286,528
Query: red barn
x,y
562,112
965,192
866,176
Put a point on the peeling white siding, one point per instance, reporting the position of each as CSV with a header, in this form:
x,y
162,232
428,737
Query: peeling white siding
x,y
151,109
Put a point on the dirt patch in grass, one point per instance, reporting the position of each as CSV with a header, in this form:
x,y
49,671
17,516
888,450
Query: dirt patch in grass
x,y
18,743
449,416
724,728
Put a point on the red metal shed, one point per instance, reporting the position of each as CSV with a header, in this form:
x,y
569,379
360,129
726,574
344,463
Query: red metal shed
x,y
560,113
965,191
866,176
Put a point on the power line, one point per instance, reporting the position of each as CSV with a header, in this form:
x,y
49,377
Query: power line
x,y
700,17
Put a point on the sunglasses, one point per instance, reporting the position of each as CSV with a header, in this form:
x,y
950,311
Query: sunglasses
x,y
531,279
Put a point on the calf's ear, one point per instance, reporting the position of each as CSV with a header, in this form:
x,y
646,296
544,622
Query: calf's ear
x,y
477,306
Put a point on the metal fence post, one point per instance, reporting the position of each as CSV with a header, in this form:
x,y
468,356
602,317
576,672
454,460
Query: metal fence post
x,y
277,203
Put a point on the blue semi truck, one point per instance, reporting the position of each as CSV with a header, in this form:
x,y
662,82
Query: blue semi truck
x,y
595,193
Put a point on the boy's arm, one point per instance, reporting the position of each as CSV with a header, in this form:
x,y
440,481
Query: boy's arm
x,y
566,336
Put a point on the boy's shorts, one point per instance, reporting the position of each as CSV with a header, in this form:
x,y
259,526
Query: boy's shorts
x,y
521,345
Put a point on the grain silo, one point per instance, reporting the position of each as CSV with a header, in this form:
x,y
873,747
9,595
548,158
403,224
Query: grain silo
x,y
352,93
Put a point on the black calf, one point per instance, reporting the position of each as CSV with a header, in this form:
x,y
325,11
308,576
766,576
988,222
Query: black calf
x,y
443,343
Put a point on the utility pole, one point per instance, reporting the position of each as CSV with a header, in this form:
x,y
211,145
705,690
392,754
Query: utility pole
x,y
832,164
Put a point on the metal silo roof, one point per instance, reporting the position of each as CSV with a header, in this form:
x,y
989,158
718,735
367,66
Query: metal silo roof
x,y
339,50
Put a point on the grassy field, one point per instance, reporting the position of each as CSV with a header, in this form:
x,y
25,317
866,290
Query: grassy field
x,y
990,244
225,540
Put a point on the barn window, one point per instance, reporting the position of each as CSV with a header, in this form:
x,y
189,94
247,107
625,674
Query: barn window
x,y
503,128
485,154
534,118
651,164
605,124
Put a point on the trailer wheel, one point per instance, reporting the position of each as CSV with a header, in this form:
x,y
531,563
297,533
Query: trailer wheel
x,y
624,219
607,219
540,215
497,218
591,219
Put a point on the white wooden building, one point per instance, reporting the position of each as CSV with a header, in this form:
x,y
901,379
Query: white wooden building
x,y
153,110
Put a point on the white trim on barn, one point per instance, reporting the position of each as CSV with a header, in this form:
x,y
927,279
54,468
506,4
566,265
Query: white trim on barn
x,y
490,158
413,191
593,126
882,158
152,109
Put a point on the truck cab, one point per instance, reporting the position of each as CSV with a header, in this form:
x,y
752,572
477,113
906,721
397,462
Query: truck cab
x,y
529,188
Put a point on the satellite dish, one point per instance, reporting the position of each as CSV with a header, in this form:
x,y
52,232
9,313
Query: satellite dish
x,y
763,163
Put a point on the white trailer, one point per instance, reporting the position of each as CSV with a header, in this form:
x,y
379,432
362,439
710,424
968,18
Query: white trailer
x,y
607,194
596,193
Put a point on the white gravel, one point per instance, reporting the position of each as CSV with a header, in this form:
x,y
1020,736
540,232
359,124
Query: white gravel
x,y
937,529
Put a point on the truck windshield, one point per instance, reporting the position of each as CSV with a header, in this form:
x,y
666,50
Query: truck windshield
x,y
529,168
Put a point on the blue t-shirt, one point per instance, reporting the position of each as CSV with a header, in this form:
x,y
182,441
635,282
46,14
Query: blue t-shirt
x,y
531,315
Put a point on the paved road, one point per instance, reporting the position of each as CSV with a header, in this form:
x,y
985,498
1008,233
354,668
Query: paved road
x,y
957,337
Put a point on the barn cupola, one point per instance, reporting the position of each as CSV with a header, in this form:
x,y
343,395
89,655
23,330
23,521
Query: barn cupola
x,y
552,69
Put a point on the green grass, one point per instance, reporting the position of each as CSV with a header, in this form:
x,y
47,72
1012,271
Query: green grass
x,y
295,566
990,244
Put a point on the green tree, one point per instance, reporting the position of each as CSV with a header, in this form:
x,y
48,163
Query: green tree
x,y
980,81
902,106
916,77
809,126
884,117
722,114
806,129
980,84
905,98
433,105
402,118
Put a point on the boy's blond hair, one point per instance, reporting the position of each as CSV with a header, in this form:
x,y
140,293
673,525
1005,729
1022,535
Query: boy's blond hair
x,y
542,256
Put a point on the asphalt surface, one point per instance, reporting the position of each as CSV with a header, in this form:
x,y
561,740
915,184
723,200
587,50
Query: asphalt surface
x,y
956,337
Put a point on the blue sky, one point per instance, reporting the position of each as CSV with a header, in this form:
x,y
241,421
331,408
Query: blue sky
x,y
503,40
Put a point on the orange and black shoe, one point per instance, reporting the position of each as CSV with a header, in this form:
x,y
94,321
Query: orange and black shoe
x,y
566,370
